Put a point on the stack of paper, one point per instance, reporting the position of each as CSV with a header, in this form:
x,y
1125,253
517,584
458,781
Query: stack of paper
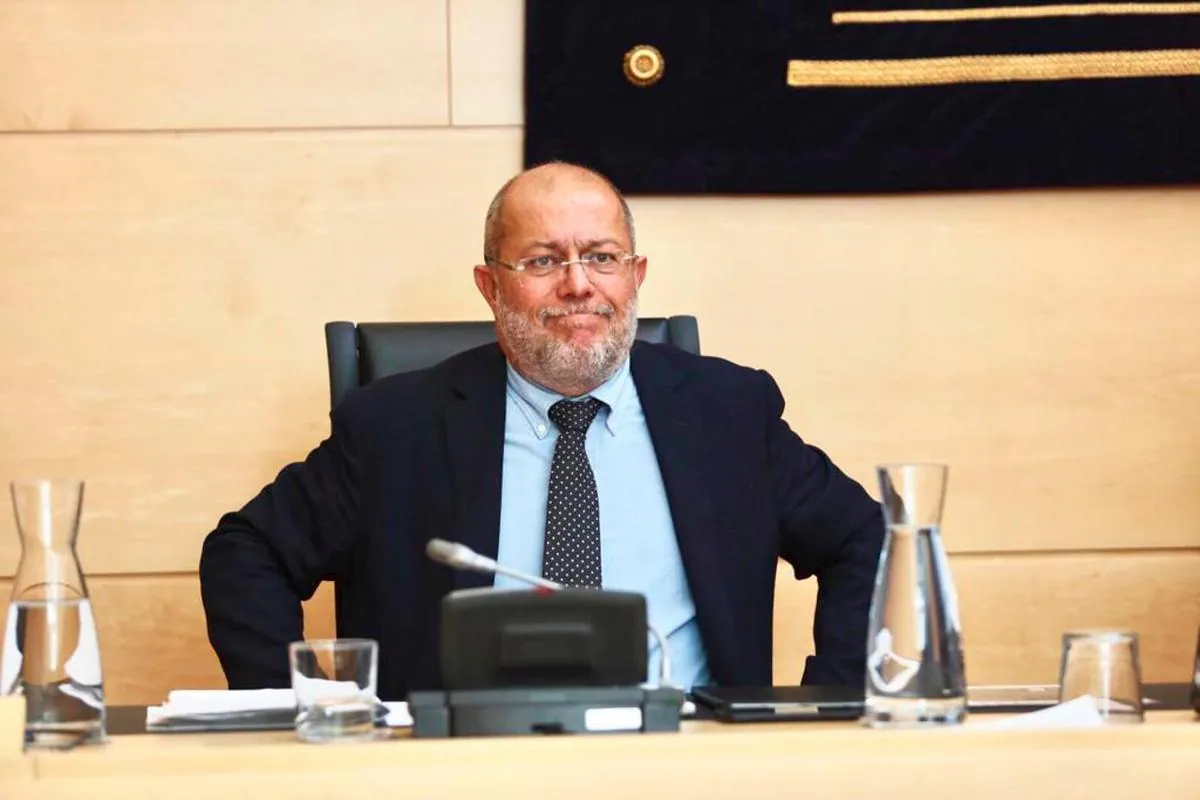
x,y
190,702
243,709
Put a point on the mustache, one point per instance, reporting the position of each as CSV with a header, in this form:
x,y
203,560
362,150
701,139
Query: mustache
x,y
603,310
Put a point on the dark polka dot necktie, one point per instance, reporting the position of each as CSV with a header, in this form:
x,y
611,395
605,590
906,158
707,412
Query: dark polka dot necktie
x,y
571,553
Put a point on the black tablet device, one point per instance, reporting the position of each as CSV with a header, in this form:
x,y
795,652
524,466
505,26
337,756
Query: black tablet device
x,y
780,703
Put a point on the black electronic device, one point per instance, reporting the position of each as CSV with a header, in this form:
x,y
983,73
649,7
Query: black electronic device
x,y
780,703
573,637
527,710
546,661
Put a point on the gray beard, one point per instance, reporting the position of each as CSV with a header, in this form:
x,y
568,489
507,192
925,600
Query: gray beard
x,y
552,362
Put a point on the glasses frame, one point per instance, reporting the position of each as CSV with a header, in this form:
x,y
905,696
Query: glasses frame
x,y
560,266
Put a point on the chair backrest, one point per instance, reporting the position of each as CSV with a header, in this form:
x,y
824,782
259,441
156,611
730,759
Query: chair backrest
x,y
364,352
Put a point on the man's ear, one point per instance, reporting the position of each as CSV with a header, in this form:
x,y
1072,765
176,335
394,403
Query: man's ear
x,y
639,270
485,281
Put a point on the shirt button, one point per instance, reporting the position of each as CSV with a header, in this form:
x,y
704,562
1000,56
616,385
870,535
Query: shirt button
x,y
541,429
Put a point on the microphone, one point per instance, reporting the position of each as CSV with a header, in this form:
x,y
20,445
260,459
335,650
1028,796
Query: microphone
x,y
459,556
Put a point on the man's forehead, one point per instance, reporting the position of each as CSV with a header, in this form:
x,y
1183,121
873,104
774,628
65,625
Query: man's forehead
x,y
550,195
562,215
580,242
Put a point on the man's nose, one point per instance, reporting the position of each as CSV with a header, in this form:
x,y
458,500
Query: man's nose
x,y
575,280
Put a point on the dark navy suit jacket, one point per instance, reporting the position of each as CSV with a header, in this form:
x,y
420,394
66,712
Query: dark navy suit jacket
x,y
419,455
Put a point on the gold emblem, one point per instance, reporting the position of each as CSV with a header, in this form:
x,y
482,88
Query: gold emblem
x,y
644,65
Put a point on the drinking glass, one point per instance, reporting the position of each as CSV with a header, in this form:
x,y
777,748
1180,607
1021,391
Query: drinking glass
x,y
335,684
1103,664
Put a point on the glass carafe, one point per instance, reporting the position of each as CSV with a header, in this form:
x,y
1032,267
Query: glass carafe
x,y
915,671
51,653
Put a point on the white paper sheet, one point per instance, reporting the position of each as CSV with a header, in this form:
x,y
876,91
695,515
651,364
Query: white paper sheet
x,y
1078,713
191,702
184,702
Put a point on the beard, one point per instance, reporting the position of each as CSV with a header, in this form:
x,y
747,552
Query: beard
x,y
552,362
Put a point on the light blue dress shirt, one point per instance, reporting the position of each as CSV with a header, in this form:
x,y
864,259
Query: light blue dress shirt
x,y
638,549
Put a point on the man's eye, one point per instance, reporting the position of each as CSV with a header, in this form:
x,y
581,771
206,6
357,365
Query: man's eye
x,y
540,262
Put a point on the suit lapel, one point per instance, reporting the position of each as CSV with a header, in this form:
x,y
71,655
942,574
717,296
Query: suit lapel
x,y
475,444
689,472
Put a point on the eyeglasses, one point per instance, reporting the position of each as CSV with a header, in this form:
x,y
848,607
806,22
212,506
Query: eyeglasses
x,y
601,262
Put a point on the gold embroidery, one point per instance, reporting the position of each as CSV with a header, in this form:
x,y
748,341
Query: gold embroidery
x,y
994,68
1010,12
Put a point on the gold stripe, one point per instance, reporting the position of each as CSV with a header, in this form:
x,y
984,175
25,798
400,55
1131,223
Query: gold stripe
x,y
1001,68
1010,12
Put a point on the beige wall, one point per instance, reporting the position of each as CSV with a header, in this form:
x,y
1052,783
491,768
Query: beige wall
x,y
189,190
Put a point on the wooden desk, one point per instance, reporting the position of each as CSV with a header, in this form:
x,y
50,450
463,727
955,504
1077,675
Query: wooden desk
x,y
1159,759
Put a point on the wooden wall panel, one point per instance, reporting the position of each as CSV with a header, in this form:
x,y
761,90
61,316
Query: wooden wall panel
x,y
487,45
153,637
178,64
162,301
1015,608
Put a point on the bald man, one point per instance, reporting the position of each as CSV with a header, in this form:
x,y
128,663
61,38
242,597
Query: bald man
x,y
569,451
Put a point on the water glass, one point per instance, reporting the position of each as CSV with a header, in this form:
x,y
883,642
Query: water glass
x,y
1105,666
335,684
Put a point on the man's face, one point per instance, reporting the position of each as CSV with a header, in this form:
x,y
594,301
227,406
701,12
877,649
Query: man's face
x,y
568,330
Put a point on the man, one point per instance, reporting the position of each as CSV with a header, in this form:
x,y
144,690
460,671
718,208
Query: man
x,y
566,450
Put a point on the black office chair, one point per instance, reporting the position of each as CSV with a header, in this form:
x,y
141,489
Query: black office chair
x,y
361,353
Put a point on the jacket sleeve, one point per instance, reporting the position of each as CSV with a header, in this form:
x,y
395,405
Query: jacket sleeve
x,y
832,529
263,560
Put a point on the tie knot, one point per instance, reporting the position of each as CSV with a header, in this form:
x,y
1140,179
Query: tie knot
x,y
575,415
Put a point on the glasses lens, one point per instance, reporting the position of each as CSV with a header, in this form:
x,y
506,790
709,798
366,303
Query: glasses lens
x,y
604,261
538,265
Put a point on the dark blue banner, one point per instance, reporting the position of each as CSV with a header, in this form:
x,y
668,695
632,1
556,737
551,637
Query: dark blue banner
x,y
782,96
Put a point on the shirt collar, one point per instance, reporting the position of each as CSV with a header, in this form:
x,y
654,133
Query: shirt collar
x,y
534,400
